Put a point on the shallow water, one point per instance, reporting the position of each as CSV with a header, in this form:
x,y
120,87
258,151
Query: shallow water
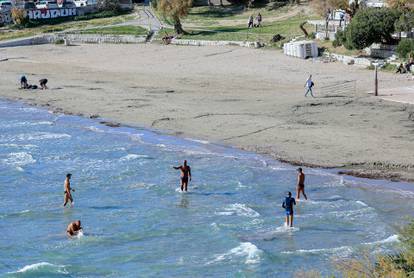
x,y
137,224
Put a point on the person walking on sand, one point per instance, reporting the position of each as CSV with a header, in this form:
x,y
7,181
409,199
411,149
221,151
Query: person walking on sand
x,y
74,228
68,189
309,85
185,174
300,188
250,22
288,206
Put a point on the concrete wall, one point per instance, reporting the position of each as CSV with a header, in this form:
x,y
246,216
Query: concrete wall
x,y
216,43
96,38
25,41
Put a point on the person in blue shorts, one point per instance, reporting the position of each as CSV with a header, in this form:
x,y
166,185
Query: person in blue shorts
x,y
288,206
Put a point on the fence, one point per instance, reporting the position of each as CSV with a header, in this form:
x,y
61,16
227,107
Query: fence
x,y
340,89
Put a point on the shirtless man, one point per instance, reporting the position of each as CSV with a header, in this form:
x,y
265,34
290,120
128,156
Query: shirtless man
x,y
68,195
301,184
73,228
185,174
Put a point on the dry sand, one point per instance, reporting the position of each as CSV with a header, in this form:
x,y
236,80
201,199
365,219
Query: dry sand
x,y
252,99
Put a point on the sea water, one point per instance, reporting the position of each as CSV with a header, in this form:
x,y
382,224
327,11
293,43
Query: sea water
x,y
137,224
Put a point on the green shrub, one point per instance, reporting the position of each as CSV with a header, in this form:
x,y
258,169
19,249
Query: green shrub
x,y
370,26
405,47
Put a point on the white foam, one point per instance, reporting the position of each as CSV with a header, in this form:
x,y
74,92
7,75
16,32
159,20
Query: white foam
x,y
42,266
205,142
362,203
248,250
132,157
20,124
180,191
240,210
95,129
41,136
390,239
19,159
337,251
27,146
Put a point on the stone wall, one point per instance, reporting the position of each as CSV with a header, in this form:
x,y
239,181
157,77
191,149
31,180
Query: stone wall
x,y
96,38
216,43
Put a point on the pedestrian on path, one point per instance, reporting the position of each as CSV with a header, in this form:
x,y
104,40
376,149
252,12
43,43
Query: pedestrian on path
x,y
308,86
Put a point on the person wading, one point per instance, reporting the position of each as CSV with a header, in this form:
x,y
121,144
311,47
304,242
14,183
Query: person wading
x,y
185,175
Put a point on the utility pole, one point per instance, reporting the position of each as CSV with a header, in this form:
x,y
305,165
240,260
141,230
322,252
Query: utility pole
x,y
376,80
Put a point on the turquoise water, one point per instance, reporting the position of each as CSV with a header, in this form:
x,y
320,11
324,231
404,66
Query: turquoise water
x,y
136,224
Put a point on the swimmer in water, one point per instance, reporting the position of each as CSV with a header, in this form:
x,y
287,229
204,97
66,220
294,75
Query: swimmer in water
x,y
288,206
301,184
185,174
68,189
74,228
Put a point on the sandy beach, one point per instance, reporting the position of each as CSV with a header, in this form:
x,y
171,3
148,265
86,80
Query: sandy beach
x,y
251,99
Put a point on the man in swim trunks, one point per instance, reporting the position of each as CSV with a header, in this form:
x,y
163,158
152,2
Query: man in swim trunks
x,y
288,206
185,174
68,189
301,184
73,228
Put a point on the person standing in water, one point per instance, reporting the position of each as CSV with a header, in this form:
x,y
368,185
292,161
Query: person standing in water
x,y
185,174
73,228
288,206
300,188
68,189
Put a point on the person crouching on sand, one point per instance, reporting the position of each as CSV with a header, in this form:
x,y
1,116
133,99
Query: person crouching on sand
x,y
73,228
43,83
288,206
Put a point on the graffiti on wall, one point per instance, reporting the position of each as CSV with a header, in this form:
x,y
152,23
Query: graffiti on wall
x,y
51,13
5,17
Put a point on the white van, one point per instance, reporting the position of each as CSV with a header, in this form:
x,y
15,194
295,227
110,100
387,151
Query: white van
x,y
5,6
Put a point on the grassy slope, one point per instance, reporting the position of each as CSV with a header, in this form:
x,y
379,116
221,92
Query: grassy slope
x,y
229,23
9,33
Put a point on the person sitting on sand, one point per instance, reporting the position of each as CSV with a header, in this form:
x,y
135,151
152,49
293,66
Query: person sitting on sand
x,y
23,82
68,195
401,69
288,206
73,228
43,83
185,174
301,184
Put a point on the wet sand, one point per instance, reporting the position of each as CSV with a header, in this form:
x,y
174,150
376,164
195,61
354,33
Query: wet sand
x,y
251,99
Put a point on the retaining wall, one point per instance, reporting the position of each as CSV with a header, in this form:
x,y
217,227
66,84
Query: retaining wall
x,y
96,38
216,43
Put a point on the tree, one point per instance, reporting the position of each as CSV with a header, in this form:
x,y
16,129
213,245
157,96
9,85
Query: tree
x,y
370,26
109,5
175,10
19,16
400,4
405,22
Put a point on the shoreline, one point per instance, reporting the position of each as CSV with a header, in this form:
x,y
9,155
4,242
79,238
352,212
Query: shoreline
x,y
248,99
339,169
